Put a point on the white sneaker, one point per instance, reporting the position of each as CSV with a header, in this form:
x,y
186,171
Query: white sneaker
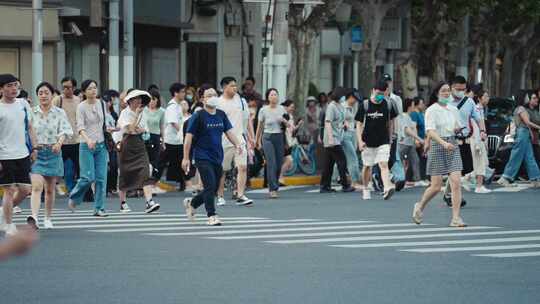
x,y
190,211
17,210
457,222
466,185
504,182
366,194
47,223
221,201
11,229
482,190
421,183
214,221
417,214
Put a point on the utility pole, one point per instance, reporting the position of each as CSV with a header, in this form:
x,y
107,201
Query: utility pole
x,y
37,44
463,54
128,44
114,44
280,45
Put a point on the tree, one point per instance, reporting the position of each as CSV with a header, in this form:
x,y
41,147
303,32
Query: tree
x,y
371,14
305,25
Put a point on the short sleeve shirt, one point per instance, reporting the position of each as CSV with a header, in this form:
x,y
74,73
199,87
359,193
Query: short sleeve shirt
x,y
443,120
406,122
207,130
48,128
271,118
376,122
335,115
173,114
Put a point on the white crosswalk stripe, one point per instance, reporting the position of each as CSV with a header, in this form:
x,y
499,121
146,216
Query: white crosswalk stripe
x,y
408,238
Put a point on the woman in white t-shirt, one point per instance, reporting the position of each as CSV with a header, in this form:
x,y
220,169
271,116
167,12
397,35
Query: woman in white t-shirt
x,y
442,125
133,159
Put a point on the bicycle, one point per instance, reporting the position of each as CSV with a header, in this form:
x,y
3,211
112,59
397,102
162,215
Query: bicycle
x,y
303,160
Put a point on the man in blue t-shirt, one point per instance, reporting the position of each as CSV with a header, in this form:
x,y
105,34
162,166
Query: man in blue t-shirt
x,y
204,133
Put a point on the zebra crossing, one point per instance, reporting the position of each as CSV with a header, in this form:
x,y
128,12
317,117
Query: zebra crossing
x,y
364,234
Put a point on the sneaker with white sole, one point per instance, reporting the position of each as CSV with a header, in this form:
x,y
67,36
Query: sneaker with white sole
x,y
504,182
214,221
388,193
60,190
366,194
124,207
221,201
417,214
482,190
100,213
47,223
151,206
11,229
244,201
190,211
17,210
32,222
421,183
457,222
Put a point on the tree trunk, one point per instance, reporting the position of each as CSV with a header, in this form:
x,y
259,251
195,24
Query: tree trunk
x,y
507,72
409,73
487,74
302,45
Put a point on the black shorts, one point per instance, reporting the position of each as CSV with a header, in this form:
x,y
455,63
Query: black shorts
x,y
15,171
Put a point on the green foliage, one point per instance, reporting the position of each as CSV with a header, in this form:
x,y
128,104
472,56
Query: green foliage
x,y
313,90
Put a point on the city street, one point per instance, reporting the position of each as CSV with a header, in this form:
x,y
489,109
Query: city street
x,y
305,247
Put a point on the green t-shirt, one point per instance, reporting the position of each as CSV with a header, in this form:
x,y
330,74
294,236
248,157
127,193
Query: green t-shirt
x,y
154,120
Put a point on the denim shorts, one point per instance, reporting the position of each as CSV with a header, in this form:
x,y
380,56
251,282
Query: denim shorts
x,y
48,163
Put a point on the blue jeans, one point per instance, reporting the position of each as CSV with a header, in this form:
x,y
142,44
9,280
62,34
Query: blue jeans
x,y
522,151
349,144
210,176
93,168
273,146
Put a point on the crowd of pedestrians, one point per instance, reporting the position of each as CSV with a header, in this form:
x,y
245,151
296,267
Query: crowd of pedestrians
x,y
124,143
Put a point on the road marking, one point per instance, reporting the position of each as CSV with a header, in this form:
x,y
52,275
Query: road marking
x,y
518,188
90,214
477,248
285,235
145,224
144,220
265,190
240,231
391,237
226,226
510,255
126,217
433,243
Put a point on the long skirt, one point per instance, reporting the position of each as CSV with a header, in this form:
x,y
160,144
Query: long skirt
x,y
134,164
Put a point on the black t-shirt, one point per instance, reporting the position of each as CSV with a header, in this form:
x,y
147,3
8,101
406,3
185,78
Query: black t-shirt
x,y
376,123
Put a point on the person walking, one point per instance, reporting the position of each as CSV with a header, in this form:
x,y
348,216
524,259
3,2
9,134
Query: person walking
x,y
70,149
170,158
238,113
478,146
334,122
52,127
93,154
350,142
133,159
155,120
17,139
270,137
407,142
203,145
522,150
442,125
374,130
418,118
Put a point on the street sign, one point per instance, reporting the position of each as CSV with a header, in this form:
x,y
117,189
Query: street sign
x,y
357,38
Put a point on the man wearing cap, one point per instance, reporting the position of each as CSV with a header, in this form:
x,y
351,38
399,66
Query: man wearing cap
x,y
373,129
15,150
204,134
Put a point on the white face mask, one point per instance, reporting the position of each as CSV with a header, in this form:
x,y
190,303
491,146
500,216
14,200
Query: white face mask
x,y
212,102
458,94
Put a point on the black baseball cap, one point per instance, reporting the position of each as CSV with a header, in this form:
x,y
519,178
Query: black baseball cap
x,y
354,93
381,85
386,77
7,78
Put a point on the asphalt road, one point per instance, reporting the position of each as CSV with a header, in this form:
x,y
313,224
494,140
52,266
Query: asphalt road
x,y
302,248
